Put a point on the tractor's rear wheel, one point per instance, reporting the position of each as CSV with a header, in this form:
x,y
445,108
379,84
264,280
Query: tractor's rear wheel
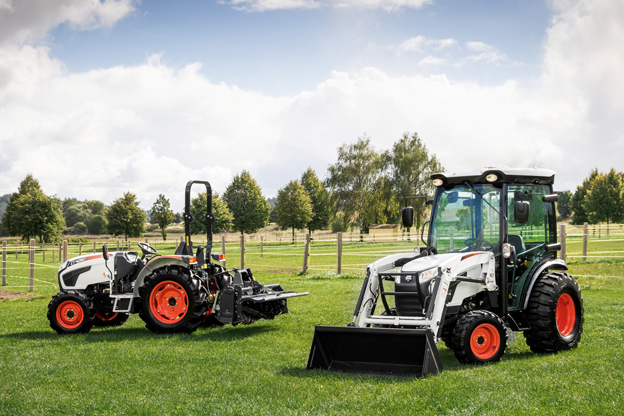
x,y
479,337
555,312
172,300
71,312
110,318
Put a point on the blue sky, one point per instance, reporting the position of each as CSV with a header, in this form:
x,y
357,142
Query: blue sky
x,y
99,97
282,52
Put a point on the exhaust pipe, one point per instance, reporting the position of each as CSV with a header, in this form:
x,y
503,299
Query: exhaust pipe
x,y
383,351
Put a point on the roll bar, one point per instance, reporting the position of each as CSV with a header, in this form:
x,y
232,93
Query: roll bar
x,y
187,246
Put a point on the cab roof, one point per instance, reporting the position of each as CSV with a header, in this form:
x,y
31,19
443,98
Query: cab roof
x,y
505,175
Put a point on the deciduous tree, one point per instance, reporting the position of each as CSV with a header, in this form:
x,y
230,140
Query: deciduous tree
x,y
162,214
319,198
244,199
125,217
353,177
219,209
604,200
579,216
294,208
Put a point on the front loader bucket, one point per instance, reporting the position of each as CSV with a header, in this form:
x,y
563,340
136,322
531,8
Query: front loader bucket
x,y
388,351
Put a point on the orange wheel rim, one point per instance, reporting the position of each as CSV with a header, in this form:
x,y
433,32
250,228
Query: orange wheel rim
x,y
168,302
69,314
566,314
105,316
485,341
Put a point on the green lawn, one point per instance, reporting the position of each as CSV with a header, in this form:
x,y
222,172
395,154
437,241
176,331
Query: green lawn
x,y
260,369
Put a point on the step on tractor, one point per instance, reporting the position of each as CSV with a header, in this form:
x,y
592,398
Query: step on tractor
x,y
489,265
171,293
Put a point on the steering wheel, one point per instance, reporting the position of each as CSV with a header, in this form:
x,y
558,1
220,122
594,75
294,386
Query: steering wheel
x,y
147,249
483,244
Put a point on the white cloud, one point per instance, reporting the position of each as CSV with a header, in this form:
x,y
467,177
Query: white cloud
x,y
25,20
432,60
421,43
268,5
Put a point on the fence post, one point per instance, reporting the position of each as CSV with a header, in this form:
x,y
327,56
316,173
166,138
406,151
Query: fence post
x,y
339,253
261,246
53,253
64,250
60,251
80,248
15,249
562,239
599,231
4,263
242,247
306,253
117,244
223,250
585,236
43,253
94,246
31,257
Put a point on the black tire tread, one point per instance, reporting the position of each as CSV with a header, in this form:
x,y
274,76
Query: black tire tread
x,y
544,337
197,293
81,297
462,349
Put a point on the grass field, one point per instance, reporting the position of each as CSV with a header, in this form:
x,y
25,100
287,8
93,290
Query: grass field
x,y
260,369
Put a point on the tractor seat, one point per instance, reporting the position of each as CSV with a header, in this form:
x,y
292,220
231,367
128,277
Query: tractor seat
x,y
517,241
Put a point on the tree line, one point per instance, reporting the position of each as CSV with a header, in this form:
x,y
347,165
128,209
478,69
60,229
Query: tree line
x,y
599,198
363,187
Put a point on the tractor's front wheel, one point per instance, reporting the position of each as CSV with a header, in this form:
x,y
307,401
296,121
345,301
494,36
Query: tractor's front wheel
x,y
71,312
555,312
479,337
172,300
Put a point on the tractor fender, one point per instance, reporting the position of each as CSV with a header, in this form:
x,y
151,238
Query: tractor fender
x,y
154,264
553,264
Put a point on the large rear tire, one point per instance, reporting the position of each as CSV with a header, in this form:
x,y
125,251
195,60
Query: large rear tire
x,y
172,301
71,312
479,337
555,312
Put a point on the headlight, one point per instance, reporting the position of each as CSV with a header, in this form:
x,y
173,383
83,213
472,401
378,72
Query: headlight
x,y
429,274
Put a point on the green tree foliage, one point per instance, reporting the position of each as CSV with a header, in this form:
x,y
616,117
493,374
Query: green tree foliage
x,y
319,197
75,214
4,200
353,178
97,225
219,209
244,199
604,200
294,208
95,207
410,166
338,224
162,214
579,216
31,214
125,217
80,228
564,205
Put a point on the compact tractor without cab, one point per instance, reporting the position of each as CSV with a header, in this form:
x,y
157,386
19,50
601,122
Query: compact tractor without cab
x,y
174,293
489,264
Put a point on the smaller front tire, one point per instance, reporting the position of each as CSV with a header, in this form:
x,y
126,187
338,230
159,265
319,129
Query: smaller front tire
x,y
479,337
71,312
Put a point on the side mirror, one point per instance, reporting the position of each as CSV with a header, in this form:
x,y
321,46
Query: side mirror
x,y
105,252
553,247
407,215
452,197
551,198
521,212
429,202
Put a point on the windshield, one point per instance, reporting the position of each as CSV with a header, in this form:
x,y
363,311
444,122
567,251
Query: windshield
x,y
463,220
